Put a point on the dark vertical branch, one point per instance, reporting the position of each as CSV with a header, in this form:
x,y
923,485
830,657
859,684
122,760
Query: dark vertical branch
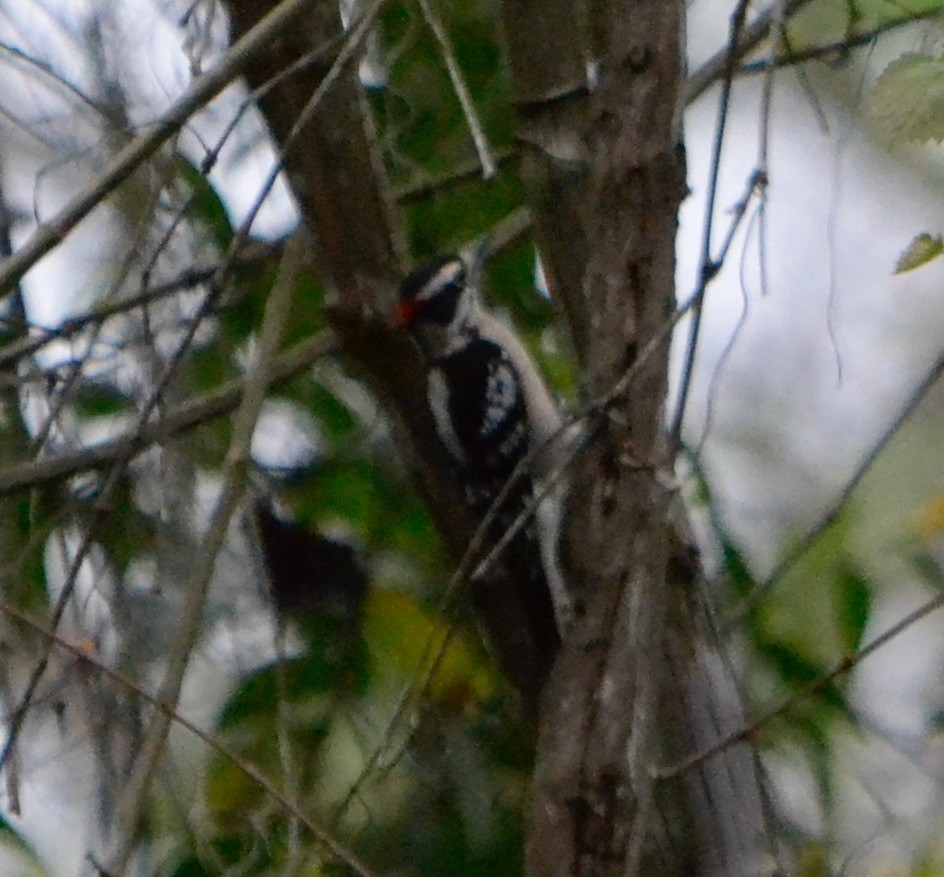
x,y
14,441
338,179
549,66
344,194
359,241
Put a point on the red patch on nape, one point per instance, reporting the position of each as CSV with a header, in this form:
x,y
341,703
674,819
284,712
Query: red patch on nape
x,y
406,313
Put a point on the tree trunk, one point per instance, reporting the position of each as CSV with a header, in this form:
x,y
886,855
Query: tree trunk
x,y
636,684
631,689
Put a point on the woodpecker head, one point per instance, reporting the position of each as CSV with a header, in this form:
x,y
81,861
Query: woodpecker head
x,y
438,303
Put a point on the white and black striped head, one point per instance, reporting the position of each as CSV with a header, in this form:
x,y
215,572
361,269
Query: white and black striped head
x,y
438,304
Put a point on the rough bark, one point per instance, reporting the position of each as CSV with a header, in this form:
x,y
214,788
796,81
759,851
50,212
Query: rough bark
x,y
637,682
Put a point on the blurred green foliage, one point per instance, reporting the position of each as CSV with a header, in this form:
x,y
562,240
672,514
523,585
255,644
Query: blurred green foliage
x,y
438,787
834,22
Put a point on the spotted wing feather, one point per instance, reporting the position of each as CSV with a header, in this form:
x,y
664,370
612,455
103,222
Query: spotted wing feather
x,y
477,400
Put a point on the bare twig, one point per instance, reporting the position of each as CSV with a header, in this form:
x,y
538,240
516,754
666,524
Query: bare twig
x,y
183,418
211,740
509,231
750,37
708,267
48,71
819,684
461,90
924,386
14,440
124,454
789,57
50,234
758,186
426,186
236,466
188,279
344,57
100,504
353,39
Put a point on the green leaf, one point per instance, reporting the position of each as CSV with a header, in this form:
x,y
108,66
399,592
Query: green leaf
x,y
209,367
242,315
819,752
93,399
907,102
813,859
738,571
30,519
400,633
802,612
207,209
334,417
853,610
923,248
128,532
308,316
928,522
799,672
335,660
928,568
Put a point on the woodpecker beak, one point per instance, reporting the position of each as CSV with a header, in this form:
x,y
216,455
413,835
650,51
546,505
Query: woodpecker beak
x,y
406,312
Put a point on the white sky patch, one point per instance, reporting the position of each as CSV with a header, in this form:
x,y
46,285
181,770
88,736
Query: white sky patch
x,y
285,437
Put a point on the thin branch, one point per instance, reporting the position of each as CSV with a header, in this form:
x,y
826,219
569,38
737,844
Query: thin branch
x,y
754,33
462,92
19,712
707,268
188,279
354,38
508,231
259,253
203,89
98,507
850,662
275,321
48,70
428,185
187,416
740,324
827,51
930,378
344,57
750,37
212,741
760,181
103,498
64,391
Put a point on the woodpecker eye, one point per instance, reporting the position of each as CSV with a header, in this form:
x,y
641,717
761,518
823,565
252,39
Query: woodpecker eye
x,y
440,306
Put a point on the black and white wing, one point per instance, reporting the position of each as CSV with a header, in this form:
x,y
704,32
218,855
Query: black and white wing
x,y
477,401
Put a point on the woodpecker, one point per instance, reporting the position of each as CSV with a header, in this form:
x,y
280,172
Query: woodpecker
x,y
501,429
